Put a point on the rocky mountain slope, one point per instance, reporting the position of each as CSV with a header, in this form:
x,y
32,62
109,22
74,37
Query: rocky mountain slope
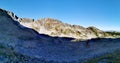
x,y
54,27
19,44
12,34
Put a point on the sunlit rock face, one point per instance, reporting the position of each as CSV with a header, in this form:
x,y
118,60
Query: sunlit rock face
x,y
54,27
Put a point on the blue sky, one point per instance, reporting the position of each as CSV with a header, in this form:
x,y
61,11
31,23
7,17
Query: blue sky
x,y
103,14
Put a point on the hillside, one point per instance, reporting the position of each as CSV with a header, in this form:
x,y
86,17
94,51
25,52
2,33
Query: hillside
x,y
57,28
19,44
54,27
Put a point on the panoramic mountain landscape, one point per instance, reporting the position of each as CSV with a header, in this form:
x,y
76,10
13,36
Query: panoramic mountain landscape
x,y
24,40
59,31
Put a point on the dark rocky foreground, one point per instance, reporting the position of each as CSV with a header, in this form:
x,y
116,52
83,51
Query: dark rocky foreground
x,y
19,44
71,51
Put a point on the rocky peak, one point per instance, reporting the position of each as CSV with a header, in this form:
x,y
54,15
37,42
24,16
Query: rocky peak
x,y
12,15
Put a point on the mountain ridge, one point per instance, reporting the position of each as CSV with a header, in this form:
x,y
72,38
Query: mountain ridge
x,y
54,27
